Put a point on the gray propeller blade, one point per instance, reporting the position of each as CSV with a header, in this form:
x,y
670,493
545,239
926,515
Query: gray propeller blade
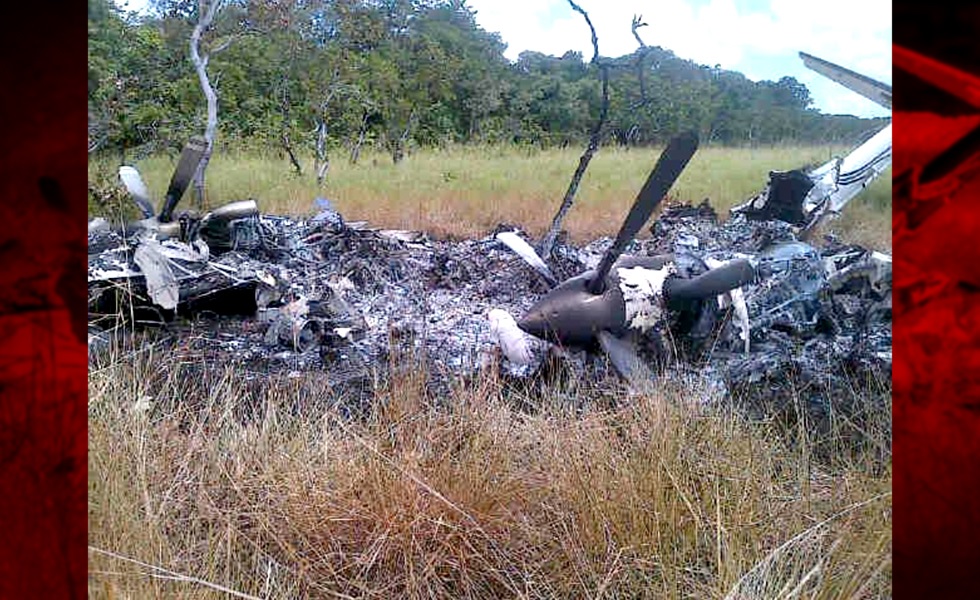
x,y
623,355
707,285
190,158
668,168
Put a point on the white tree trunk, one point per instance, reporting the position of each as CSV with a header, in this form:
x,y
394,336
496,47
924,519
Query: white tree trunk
x,y
207,9
321,161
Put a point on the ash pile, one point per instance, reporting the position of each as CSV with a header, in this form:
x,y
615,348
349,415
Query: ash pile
x,y
276,295
281,295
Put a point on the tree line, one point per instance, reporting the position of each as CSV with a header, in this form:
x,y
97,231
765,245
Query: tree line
x,y
321,76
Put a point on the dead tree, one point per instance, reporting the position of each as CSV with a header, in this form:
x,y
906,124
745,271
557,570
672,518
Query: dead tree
x,y
367,113
396,145
548,241
321,162
206,11
285,107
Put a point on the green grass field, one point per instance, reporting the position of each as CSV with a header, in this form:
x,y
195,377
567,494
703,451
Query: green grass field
x,y
468,497
465,191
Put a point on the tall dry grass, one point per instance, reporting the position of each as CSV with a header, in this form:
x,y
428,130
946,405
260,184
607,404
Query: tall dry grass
x,y
203,485
464,191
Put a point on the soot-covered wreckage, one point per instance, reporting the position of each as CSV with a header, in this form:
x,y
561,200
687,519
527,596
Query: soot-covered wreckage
x,y
741,303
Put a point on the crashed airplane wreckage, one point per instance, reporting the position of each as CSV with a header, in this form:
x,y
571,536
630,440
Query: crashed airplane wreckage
x,y
740,303
805,199
710,292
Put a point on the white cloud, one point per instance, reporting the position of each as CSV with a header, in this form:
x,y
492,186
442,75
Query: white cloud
x,y
758,43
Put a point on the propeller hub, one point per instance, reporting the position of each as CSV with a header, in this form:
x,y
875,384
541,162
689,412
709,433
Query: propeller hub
x,y
571,316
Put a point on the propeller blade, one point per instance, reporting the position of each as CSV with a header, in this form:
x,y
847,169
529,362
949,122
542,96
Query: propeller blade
x,y
190,158
668,168
137,189
707,285
623,355
525,251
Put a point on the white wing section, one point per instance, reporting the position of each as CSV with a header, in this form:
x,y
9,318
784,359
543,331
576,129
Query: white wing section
x,y
838,181
877,92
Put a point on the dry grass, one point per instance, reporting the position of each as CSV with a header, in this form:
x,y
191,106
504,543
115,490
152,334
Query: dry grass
x,y
199,484
465,191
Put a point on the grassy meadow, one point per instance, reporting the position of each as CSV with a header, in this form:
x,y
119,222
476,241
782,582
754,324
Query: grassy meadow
x,y
202,485
465,191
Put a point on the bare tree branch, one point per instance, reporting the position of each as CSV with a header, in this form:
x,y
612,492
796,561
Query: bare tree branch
x,y
588,21
641,54
288,146
321,162
225,43
548,241
637,23
355,151
397,145
285,106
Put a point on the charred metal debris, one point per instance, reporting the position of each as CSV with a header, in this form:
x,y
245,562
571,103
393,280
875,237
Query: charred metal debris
x,y
281,295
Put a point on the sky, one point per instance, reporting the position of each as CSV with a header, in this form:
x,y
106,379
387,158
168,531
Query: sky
x,y
759,38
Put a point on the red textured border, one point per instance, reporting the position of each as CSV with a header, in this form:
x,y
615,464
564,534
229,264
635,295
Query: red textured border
x,y
936,405
43,406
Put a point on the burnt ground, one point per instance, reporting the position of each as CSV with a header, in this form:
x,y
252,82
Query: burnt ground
x,y
300,297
